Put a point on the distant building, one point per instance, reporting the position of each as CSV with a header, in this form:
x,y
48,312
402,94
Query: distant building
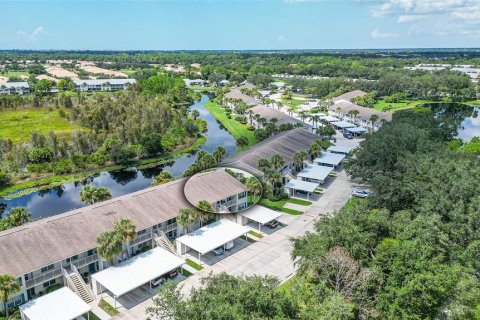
x,y
14,88
103,84
194,82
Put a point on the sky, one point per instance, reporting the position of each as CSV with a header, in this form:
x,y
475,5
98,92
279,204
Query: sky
x,y
238,24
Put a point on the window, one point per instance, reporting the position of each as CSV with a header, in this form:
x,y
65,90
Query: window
x,y
48,283
47,268
75,257
139,233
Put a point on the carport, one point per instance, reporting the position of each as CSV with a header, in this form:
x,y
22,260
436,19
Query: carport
x,y
329,159
59,304
340,150
356,131
329,119
299,185
211,236
315,173
342,125
135,272
259,214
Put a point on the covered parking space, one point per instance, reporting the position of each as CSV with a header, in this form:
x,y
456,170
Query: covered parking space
x,y
221,233
60,304
339,149
135,272
357,131
329,119
343,125
260,215
329,159
315,174
300,186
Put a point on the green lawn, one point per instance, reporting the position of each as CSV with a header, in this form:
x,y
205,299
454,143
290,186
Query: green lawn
x,y
16,74
473,102
255,234
278,206
406,104
18,124
108,308
299,202
292,103
194,265
235,128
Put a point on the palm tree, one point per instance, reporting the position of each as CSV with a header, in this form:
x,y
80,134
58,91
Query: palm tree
x,y
254,187
315,119
257,120
8,287
186,217
219,154
291,110
263,165
18,216
298,158
273,177
162,178
205,211
303,115
277,162
90,194
126,231
373,119
109,245
250,117
315,150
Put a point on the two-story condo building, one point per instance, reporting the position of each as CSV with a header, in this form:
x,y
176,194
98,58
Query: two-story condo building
x,y
103,84
225,193
14,88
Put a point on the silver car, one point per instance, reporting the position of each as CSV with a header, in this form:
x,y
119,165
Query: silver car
x,y
360,193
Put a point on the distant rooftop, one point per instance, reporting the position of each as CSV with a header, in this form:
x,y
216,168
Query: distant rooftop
x,y
103,81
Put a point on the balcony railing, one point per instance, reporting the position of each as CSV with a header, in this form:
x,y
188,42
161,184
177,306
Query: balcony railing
x,y
85,261
142,238
47,276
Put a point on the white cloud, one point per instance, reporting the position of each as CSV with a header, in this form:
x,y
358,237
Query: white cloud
x,y
438,17
31,36
377,34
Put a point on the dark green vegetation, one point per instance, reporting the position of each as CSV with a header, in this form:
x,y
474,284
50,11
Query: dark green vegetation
x,y
116,129
108,308
412,250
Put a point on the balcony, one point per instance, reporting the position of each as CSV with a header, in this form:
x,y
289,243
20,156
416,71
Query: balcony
x,y
80,263
47,276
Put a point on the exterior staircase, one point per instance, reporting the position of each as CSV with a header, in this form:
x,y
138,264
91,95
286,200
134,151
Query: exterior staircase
x,y
228,216
162,241
76,283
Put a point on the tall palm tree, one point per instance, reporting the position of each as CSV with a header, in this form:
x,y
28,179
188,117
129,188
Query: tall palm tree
x,y
8,287
273,177
254,187
315,119
257,120
109,245
186,217
263,165
298,158
126,231
18,216
277,162
315,149
373,119
205,211
303,115
250,117
219,153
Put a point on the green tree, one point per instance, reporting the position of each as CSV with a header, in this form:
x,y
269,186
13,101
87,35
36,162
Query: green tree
x,y
242,142
277,162
109,245
90,194
186,217
219,154
126,230
8,287
152,144
18,216
5,178
65,85
43,86
162,178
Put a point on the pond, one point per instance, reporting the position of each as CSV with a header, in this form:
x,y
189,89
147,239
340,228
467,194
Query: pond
x,y
60,199
459,116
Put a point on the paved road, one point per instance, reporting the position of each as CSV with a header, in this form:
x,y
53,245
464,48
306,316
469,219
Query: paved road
x,y
271,254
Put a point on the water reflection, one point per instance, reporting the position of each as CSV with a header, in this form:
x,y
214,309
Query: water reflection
x,y
66,197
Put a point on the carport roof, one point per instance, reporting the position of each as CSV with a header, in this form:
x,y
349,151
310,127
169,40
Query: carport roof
x,y
339,149
137,271
213,235
357,130
59,304
302,185
333,159
344,124
261,214
315,172
329,118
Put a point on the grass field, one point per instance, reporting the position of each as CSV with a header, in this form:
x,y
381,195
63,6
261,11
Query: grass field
x,y
17,124
235,128
278,206
406,104
16,74
292,103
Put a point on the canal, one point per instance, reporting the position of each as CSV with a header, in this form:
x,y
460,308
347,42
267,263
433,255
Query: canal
x,y
66,197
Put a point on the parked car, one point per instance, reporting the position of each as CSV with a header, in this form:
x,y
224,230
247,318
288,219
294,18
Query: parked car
x,y
229,245
360,193
348,135
272,224
218,251
172,274
158,281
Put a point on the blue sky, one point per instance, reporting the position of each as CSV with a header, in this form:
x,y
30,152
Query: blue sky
x,y
238,24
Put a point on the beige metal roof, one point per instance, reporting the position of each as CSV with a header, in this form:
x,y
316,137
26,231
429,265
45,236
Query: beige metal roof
x,y
350,95
364,113
284,144
40,243
212,186
270,113
236,94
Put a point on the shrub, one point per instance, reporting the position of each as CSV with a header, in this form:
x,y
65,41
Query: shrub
x,y
39,155
5,178
239,118
63,166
